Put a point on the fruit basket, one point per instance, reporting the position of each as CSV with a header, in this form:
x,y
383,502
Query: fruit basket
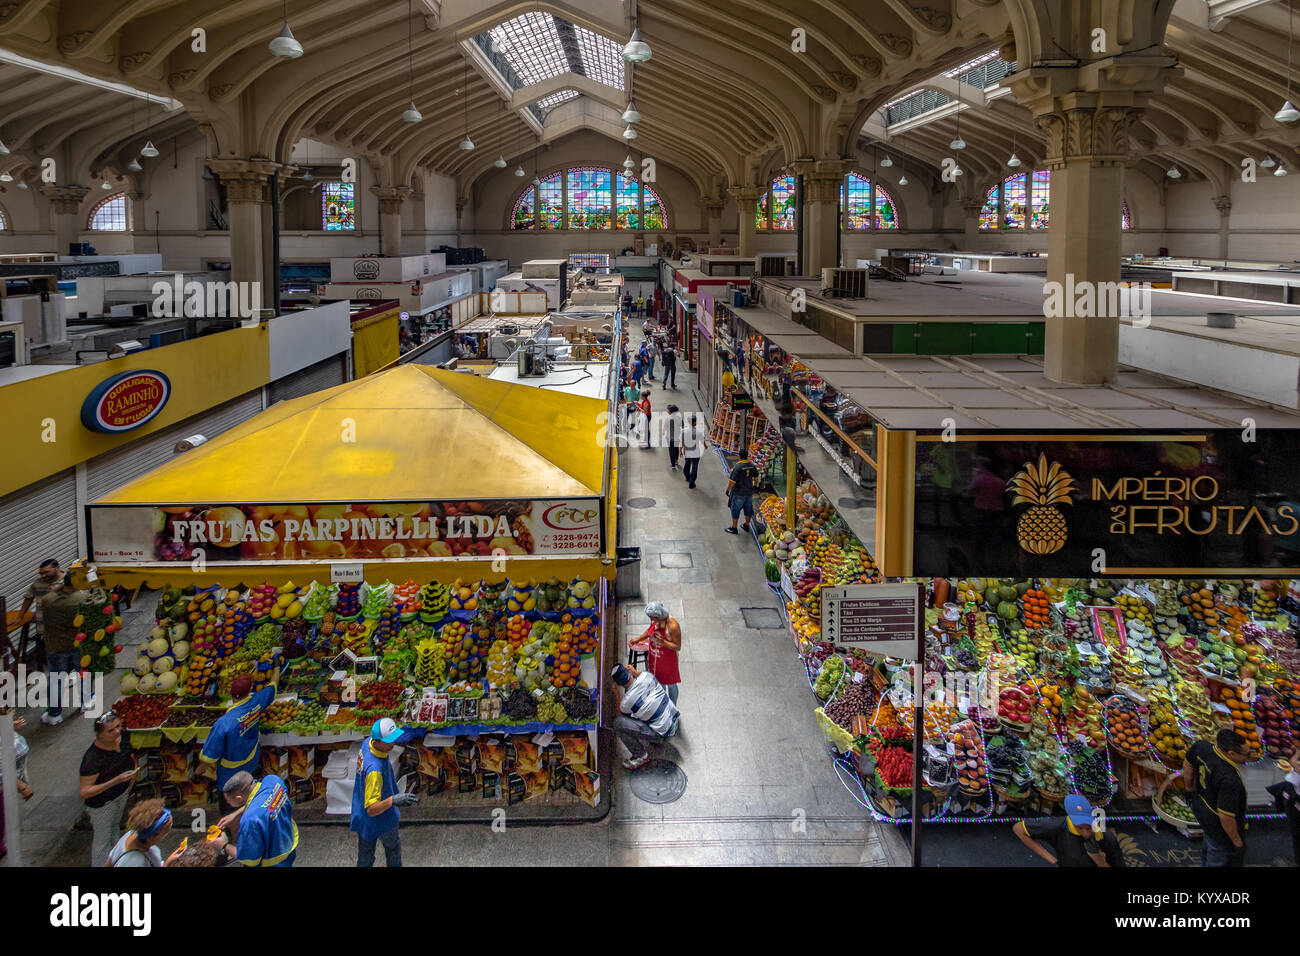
x,y
1014,701
1162,802
1125,723
836,736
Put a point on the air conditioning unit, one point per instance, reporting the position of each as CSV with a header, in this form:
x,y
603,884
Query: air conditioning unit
x,y
845,283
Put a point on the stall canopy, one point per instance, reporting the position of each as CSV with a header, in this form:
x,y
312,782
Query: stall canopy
x,y
416,472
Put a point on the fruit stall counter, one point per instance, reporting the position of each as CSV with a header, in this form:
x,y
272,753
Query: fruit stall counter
x,y
506,662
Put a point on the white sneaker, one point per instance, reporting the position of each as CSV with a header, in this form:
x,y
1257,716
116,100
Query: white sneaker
x,y
51,719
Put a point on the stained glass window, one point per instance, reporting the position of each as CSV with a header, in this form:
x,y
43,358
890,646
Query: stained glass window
x,y
1039,199
550,202
1126,222
857,206
989,211
525,208
656,217
629,202
1014,202
338,207
4,221
783,203
109,215
886,211
590,198
760,213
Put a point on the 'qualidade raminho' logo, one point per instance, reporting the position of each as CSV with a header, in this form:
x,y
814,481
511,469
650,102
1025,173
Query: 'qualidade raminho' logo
x,y
1042,529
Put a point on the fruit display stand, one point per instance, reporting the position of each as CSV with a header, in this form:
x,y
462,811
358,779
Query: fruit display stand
x,y
463,590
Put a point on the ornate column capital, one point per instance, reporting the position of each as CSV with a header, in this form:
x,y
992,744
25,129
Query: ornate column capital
x,y
461,203
822,179
971,207
66,200
713,206
1224,205
746,197
246,180
391,197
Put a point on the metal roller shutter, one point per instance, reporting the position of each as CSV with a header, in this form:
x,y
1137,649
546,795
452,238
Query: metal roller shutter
x,y
313,378
36,523
113,469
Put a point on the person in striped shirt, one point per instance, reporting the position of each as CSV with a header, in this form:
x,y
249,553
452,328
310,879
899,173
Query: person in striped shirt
x,y
646,713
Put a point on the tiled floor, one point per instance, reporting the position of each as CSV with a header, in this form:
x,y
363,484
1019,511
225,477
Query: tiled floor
x,y
760,786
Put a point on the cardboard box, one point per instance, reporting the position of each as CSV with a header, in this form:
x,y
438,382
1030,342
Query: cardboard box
x,y
192,793
494,755
305,789
515,787
387,268
429,760
467,756
525,756
491,785
586,786
434,782
537,783
467,782
274,760
544,268
577,748
178,765
302,761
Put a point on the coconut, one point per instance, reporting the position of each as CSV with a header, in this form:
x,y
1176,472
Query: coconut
x,y
158,633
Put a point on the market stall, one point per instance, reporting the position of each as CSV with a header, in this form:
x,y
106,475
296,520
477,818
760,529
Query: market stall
x,y
421,544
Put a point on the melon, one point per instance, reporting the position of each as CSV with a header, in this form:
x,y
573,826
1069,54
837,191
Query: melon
x,y
992,596
157,648
167,682
142,666
162,665
158,633
130,683
178,631
1007,611
147,683
1007,593
181,650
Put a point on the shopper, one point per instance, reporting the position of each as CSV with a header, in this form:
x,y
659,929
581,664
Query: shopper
x,y
59,607
1286,796
267,834
375,799
233,743
671,432
643,417
47,576
1217,793
640,305
205,853
20,765
1071,840
638,370
670,366
662,641
694,441
646,713
107,769
148,824
740,492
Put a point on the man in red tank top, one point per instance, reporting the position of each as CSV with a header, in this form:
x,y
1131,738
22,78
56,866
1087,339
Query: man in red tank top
x,y
661,641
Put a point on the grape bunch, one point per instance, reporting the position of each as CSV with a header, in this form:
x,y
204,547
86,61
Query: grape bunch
x,y
578,703
1090,771
829,678
519,704
259,642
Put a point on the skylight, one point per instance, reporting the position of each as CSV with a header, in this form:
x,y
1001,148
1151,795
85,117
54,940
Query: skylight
x,y
540,46
555,99
971,64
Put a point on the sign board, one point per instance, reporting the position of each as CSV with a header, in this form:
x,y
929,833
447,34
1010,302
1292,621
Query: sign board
x,y
125,401
361,531
880,619
347,573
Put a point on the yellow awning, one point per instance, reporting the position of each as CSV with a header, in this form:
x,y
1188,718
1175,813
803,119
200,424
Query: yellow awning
x,y
412,433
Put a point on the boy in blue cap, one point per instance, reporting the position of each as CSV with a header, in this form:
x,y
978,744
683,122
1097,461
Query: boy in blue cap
x,y
375,798
1071,840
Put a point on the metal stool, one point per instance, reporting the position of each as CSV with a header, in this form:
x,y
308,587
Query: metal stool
x,y
633,654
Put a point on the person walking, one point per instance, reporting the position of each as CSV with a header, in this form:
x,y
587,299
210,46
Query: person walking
x,y
740,492
638,370
47,575
670,366
662,642
1217,793
149,823
640,305
267,834
59,607
671,429
651,352
644,417
646,713
375,799
234,742
107,768
694,441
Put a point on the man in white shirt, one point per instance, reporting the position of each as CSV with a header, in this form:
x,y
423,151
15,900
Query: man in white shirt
x,y
646,713
694,440
671,430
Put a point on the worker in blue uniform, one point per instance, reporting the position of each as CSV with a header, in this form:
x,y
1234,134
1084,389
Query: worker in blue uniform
x,y
233,744
268,835
375,798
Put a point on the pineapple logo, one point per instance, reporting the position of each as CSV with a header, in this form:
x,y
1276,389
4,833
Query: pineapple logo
x,y
1042,529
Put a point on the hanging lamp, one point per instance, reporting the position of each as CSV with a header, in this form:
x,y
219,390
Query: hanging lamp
x,y
411,114
5,177
1288,113
285,43
1280,171
519,171
957,141
629,133
1268,162
500,161
1174,172
134,165
886,162
466,144
630,115
636,50
22,184
4,150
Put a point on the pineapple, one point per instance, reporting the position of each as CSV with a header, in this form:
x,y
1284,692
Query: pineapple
x,y
1042,529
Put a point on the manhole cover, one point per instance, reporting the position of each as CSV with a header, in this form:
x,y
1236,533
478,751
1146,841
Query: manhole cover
x,y
676,559
761,618
659,781
855,502
642,503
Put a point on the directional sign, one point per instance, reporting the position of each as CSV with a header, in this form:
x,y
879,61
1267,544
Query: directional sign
x,y
884,620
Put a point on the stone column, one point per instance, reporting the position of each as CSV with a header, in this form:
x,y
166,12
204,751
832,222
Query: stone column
x,y
713,209
390,216
746,207
65,214
248,196
461,203
1086,114
142,239
1224,205
822,180
970,209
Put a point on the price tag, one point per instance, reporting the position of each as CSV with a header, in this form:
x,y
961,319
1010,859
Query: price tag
x,y
351,572
952,749
858,677
963,705
332,710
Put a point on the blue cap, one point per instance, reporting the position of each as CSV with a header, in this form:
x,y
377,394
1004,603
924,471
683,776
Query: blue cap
x,y
385,730
1079,810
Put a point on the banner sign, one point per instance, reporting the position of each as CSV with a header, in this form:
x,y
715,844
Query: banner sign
x,y
884,620
125,401
342,532
1080,506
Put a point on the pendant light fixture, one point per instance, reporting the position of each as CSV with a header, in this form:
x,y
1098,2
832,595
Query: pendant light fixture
x,y
411,114
1288,113
519,171
630,115
134,165
886,162
22,184
500,161
629,164
5,177
4,150
149,150
1014,161
101,185
466,144
637,50
1174,172
306,171
285,43
629,133
957,141
537,180
1280,171
1268,162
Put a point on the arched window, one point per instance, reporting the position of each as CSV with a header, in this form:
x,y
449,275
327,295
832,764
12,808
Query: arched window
x,y
858,197
338,207
589,197
109,215
1126,221
1023,201
4,221
776,207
